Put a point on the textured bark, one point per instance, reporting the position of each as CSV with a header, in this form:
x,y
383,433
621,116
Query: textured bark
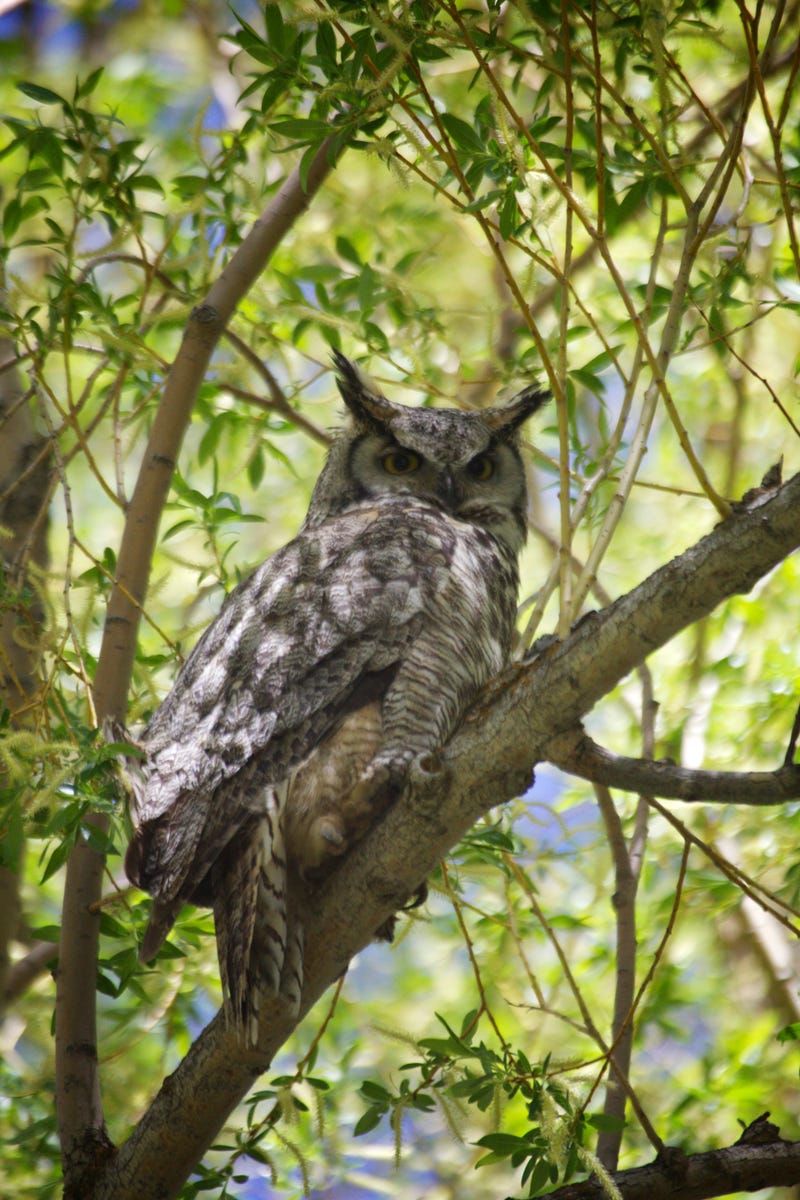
x,y
24,492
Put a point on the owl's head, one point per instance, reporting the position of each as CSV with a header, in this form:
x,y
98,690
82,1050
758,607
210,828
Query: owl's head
x,y
466,463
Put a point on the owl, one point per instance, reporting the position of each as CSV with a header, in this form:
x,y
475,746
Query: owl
x,y
350,652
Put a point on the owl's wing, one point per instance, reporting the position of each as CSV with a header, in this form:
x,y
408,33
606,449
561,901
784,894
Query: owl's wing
x,y
317,630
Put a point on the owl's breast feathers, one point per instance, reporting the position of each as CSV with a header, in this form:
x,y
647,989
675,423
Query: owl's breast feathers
x,y
352,649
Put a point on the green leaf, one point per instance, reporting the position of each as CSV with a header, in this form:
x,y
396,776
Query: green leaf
x,y
210,439
44,95
368,1121
509,215
186,523
48,147
302,129
111,927
346,249
605,1122
320,1085
89,84
326,45
106,985
147,183
12,215
276,30
503,1144
188,186
463,135
46,933
256,466
538,1173
57,859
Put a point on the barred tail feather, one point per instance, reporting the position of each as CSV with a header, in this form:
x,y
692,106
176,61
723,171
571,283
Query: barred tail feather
x,y
251,917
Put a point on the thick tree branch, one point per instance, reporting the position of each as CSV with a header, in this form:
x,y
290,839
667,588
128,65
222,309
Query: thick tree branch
x,y
576,753
748,1166
205,327
25,475
489,761
81,1125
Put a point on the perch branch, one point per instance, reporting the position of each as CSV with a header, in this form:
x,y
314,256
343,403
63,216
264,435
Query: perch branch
x,y
490,760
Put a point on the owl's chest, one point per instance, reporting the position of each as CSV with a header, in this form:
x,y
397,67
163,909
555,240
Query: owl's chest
x,y
473,601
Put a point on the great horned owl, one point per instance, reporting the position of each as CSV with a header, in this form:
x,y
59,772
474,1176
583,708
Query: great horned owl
x,y
351,651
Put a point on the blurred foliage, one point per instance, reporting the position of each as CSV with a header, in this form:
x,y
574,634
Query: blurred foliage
x,y
604,195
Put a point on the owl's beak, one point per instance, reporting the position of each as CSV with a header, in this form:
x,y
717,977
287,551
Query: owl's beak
x,y
446,488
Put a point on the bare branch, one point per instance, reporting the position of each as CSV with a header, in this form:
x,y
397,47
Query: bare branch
x,y
28,968
624,902
627,860
576,753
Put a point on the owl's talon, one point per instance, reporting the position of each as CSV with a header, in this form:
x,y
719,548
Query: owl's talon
x,y
333,836
326,839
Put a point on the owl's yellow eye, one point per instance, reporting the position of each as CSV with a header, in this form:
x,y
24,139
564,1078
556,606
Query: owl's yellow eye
x,y
400,462
481,467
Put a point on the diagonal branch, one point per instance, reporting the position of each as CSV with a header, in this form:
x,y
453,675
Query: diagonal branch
x,y
576,753
490,760
25,970
81,1124
206,325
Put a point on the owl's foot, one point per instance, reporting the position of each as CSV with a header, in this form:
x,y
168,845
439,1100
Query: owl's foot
x,y
326,839
331,834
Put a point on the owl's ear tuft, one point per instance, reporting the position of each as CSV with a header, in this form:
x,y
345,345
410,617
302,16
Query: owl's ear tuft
x,y
505,420
361,394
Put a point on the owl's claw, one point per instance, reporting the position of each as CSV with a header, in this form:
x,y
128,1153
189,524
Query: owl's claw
x,y
326,839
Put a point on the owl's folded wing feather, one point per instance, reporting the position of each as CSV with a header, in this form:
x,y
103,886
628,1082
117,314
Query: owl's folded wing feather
x,y
315,632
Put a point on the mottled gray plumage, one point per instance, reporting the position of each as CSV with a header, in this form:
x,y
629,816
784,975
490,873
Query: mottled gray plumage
x,y
352,650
